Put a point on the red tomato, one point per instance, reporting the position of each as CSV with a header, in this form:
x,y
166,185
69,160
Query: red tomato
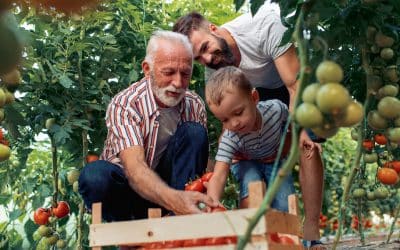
x,y
195,185
274,237
215,241
368,144
367,224
218,209
91,158
380,139
286,240
61,210
41,216
393,164
206,177
323,218
322,225
194,242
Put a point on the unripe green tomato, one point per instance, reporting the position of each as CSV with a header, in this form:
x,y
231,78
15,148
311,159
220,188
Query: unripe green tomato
x,y
359,193
332,98
308,115
329,71
387,54
310,93
370,196
61,244
44,231
370,158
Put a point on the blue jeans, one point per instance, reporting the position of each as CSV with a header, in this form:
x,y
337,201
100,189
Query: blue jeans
x,y
185,157
248,171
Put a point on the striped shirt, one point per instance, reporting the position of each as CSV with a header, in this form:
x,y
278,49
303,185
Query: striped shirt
x,y
131,120
260,144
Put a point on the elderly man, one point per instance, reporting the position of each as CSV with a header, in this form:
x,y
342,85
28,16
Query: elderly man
x,y
149,152
252,43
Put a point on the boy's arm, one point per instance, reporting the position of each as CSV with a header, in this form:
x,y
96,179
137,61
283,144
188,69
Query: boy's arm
x,y
217,182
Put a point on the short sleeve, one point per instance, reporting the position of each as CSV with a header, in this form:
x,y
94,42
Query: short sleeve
x,y
124,127
227,147
271,36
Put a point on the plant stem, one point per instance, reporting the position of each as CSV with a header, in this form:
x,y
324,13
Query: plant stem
x,y
396,216
356,163
84,150
55,170
294,150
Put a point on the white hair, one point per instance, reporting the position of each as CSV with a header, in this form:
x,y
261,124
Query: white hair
x,y
170,36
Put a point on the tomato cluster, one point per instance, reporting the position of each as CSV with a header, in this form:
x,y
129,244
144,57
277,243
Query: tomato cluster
x,y
44,217
41,215
198,184
367,223
327,105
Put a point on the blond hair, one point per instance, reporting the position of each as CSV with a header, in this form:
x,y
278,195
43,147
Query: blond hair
x,y
224,80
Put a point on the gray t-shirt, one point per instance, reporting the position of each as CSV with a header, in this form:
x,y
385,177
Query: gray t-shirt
x,y
168,121
257,144
258,38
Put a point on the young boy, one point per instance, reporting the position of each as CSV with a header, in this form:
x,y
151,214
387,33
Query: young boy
x,y
252,134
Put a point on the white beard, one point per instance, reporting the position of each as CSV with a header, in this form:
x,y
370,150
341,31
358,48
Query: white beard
x,y
161,94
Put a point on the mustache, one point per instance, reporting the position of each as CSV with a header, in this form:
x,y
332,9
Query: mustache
x,y
173,89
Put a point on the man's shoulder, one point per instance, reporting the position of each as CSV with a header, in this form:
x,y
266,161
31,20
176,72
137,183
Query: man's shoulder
x,y
193,97
132,93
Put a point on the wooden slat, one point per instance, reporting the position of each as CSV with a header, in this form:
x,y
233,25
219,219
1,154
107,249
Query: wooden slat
x,y
256,193
96,217
219,224
154,213
295,210
282,222
294,204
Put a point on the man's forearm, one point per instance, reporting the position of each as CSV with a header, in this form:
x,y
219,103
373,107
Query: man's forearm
x,y
148,184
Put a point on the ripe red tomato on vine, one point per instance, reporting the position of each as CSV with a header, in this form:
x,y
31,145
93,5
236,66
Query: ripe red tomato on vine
x,y
61,210
380,139
41,216
368,144
388,176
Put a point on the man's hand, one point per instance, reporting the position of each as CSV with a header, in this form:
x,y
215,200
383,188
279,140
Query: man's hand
x,y
307,145
186,202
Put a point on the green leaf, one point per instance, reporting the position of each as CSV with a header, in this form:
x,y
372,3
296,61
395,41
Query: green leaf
x,y
15,214
239,4
60,134
65,81
255,5
133,76
30,228
4,199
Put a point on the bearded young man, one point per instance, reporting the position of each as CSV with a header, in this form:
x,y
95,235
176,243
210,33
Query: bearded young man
x,y
149,152
252,43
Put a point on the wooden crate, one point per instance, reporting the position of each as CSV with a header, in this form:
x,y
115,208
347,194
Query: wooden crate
x,y
206,225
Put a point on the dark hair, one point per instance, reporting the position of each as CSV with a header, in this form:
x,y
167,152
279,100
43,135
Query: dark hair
x,y
224,80
192,21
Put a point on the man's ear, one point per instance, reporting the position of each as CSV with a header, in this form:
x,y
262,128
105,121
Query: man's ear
x,y
255,96
146,68
212,27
